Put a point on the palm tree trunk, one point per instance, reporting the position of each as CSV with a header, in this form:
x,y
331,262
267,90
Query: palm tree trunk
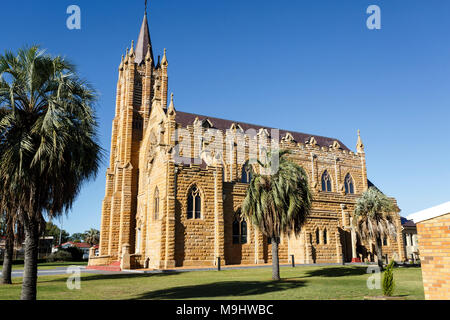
x,y
379,254
275,259
31,256
9,251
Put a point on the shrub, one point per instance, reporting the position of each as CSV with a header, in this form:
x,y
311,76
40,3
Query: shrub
x,y
388,280
69,254
60,255
77,254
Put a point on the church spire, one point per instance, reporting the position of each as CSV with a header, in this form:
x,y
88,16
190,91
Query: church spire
x,y
171,109
359,144
144,42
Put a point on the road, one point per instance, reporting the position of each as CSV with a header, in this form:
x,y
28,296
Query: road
x,y
61,271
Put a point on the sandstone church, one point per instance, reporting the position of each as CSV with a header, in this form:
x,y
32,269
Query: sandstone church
x,y
160,212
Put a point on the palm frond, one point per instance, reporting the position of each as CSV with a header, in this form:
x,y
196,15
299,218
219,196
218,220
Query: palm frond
x,y
278,203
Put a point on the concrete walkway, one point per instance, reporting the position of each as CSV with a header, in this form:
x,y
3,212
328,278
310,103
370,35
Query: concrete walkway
x,y
60,271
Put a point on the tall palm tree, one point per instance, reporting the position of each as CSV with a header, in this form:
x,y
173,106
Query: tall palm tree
x,y
373,219
48,142
12,230
8,232
92,237
278,202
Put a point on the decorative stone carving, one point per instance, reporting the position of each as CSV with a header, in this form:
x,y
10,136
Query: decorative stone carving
x,y
312,142
236,127
288,138
161,131
151,150
205,123
263,133
335,145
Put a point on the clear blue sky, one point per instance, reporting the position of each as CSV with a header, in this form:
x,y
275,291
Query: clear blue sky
x,y
309,66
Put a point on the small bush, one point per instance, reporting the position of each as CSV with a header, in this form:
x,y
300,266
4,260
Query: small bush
x,y
77,254
60,255
69,254
388,280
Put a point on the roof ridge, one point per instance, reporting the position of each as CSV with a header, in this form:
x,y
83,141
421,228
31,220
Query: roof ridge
x,y
266,127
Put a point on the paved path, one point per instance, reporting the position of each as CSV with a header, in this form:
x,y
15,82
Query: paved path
x,y
60,271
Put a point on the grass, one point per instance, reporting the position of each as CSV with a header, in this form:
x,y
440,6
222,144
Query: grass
x,y
50,265
298,283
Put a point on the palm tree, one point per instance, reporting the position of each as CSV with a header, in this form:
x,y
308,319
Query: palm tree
x,y
8,232
373,218
92,237
278,202
48,142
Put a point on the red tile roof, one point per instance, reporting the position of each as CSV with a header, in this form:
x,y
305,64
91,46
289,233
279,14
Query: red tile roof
x,y
82,245
77,244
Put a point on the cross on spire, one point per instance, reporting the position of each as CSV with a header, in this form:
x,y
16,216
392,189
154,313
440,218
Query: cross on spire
x,y
145,6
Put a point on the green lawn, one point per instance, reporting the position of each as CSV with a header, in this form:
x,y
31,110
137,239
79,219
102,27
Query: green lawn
x,y
49,265
298,283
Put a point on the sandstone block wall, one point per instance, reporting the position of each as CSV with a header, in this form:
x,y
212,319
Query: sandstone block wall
x,y
434,248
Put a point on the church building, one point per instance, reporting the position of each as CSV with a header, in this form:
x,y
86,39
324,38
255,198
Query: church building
x,y
169,206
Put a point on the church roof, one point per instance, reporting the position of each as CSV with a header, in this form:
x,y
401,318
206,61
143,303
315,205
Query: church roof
x,y
407,223
185,119
143,43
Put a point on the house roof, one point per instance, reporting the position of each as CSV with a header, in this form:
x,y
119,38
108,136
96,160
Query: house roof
x,y
430,213
82,245
185,119
77,244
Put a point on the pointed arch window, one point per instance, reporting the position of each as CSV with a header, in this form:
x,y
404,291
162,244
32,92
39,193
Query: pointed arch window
x,y
246,176
194,204
156,204
325,240
326,182
236,231
243,231
317,236
239,230
348,183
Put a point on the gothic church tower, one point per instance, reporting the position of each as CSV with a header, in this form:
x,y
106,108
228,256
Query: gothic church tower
x,y
142,85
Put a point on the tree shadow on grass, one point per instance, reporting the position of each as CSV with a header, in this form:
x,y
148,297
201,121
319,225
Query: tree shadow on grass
x,y
112,276
222,289
337,272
